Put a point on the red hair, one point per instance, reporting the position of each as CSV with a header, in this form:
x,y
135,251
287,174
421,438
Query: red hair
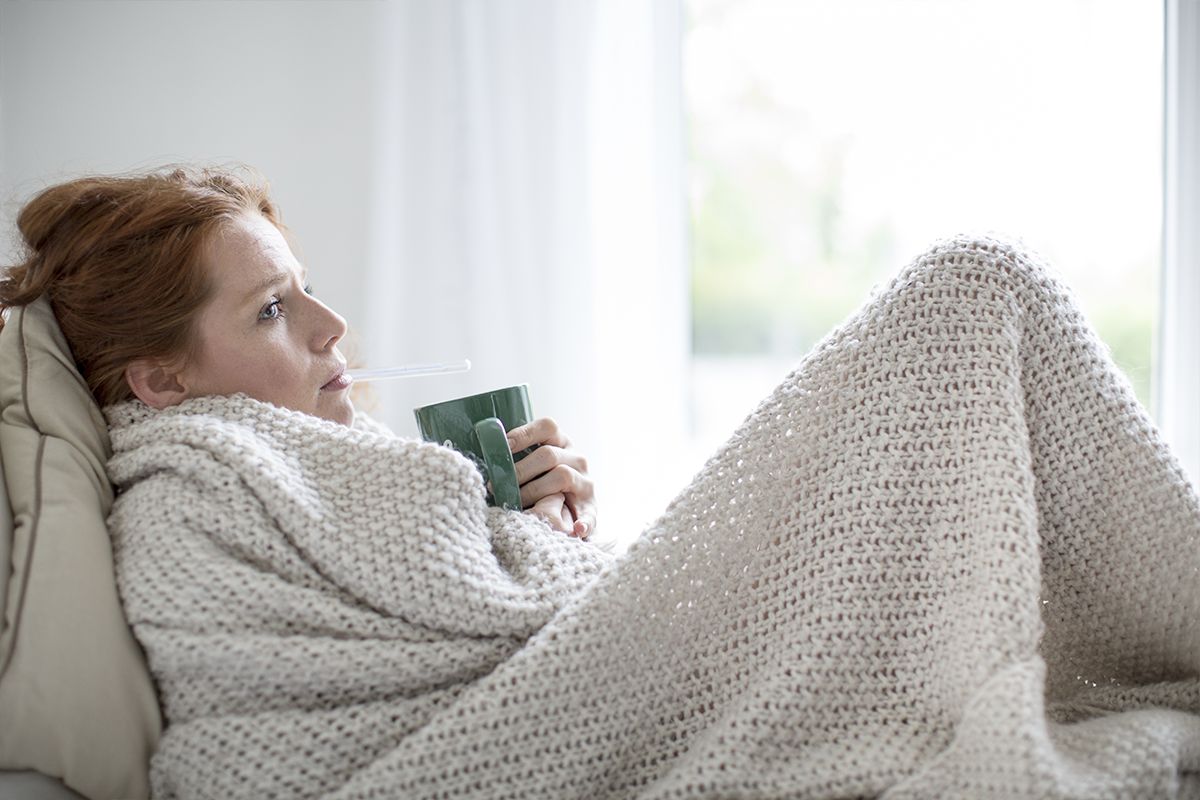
x,y
120,260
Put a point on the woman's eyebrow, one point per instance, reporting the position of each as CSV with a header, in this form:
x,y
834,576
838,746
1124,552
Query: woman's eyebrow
x,y
273,279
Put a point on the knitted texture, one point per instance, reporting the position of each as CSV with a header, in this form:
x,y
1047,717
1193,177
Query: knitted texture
x,y
308,593
949,556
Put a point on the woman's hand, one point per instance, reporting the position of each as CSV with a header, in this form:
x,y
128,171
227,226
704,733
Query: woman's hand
x,y
553,508
554,480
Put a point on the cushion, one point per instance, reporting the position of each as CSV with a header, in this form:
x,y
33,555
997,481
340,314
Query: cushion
x,y
6,536
29,785
75,694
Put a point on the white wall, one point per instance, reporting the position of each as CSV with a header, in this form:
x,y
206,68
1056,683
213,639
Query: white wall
x,y
118,86
390,131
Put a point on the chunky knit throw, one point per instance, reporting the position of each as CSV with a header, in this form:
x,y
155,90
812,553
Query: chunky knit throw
x,y
948,557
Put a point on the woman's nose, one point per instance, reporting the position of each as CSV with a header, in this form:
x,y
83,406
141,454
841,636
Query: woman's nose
x,y
332,327
339,332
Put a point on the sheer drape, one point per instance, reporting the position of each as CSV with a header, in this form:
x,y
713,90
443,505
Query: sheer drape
x,y
528,215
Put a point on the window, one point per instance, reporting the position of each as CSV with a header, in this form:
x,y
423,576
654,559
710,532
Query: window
x,y
830,141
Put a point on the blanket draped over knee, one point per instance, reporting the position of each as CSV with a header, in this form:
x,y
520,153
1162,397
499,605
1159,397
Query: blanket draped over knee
x,y
949,556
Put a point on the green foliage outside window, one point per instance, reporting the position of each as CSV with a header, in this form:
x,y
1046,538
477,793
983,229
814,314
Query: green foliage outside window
x,y
778,261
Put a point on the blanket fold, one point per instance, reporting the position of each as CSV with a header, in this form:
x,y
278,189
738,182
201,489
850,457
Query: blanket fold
x,y
949,556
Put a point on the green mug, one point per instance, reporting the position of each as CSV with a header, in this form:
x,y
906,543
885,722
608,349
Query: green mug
x,y
477,427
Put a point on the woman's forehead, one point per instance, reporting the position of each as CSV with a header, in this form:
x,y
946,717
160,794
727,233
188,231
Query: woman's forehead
x,y
247,251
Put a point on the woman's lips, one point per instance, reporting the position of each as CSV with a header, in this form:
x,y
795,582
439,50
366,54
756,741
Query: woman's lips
x,y
339,382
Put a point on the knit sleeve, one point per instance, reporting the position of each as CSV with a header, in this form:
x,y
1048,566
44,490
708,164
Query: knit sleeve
x,y
396,526
365,422
425,547
505,578
542,559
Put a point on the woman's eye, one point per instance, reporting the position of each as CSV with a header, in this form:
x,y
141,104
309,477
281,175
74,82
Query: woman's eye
x,y
270,311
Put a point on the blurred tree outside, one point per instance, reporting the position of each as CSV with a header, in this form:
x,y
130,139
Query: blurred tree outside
x,y
786,243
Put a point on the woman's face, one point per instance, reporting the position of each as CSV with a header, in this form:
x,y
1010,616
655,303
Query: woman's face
x,y
261,332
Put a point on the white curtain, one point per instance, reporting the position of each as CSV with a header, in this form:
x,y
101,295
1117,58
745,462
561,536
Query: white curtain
x,y
528,214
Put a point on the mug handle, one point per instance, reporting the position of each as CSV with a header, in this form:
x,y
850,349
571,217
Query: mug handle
x,y
499,462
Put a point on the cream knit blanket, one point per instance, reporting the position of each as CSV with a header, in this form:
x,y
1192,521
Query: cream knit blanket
x,y
949,556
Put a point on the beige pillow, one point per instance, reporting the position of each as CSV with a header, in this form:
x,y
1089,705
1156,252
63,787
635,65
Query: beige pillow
x,y
76,699
6,536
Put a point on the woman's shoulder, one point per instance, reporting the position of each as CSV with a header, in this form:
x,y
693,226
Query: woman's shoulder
x,y
365,422
132,423
262,443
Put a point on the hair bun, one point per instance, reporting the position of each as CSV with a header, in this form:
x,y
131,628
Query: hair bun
x,y
121,257
60,206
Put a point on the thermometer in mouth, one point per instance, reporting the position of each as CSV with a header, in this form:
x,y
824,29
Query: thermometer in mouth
x,y
409,371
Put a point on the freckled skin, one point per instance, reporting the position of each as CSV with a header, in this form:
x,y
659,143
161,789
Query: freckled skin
x,y
277,344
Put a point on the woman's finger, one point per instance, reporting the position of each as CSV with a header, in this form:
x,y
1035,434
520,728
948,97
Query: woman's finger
x,y
546,458
584,513
553,509
563,478
540,431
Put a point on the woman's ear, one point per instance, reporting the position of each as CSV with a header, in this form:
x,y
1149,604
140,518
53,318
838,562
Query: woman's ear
x,y
154,383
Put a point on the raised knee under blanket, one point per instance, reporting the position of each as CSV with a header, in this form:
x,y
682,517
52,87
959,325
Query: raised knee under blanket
x,y
949,556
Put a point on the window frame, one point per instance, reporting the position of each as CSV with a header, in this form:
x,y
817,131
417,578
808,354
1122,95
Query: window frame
x,y
1176,366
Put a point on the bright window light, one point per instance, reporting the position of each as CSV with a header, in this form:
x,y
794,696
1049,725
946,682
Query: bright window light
x,y
832,141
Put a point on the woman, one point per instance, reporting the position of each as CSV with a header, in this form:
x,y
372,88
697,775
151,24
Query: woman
x,y
897,576
192,281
